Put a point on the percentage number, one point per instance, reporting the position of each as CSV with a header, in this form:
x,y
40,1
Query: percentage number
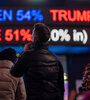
x,y
10,34
61,35
29,14
37,15
25,34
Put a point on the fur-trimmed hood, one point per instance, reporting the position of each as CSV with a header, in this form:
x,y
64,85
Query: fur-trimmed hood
x,y
6,64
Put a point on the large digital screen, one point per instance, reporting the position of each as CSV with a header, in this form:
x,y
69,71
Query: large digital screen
x,y
56,15
61,35
69,26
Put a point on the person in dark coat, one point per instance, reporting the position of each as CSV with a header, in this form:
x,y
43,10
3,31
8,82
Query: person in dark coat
x,y
43,72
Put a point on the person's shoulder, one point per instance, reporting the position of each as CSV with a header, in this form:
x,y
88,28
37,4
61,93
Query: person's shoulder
x,y
28,52
51,53
56,57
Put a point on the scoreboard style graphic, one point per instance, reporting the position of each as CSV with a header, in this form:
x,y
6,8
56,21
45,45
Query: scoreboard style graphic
x,y
63,35
68,26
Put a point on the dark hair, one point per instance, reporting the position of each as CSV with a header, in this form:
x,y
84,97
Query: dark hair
x,y
42,32
8,54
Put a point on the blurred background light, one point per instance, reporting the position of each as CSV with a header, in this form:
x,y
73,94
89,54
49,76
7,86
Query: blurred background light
x,y
55,49
37,1
44,2
31,2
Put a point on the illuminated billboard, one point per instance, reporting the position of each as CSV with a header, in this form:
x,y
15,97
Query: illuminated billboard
x,y
68,26
31,15
61,35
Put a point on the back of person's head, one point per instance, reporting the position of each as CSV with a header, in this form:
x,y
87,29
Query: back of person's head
x,y
8,54
42,32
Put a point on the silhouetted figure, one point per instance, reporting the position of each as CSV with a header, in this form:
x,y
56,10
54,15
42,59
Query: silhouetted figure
x,y
43,71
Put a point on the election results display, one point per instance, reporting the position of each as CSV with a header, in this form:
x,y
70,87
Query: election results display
x,y
31,15
63,35
68,26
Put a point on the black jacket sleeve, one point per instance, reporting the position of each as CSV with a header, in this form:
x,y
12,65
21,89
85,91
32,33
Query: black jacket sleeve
x,y
61,80
20,66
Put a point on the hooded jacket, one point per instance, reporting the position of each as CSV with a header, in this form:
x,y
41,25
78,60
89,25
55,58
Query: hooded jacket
x,y
11,88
